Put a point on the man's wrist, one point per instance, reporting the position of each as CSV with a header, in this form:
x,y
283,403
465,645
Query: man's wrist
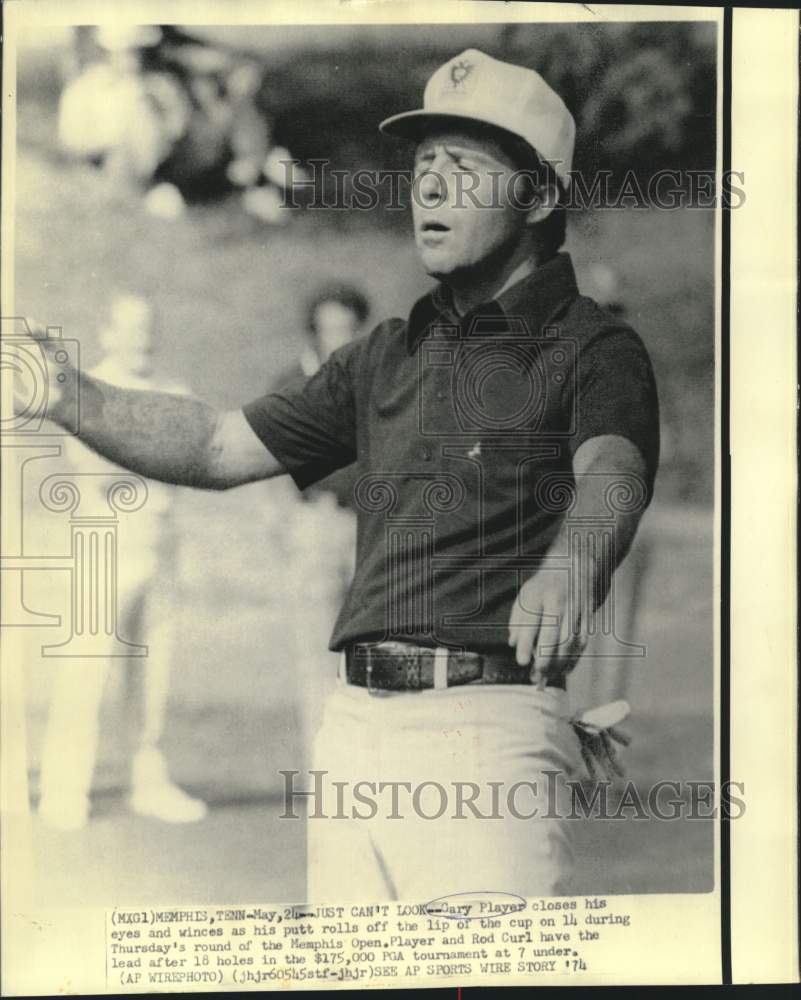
x,y
80,403
62,403
592,562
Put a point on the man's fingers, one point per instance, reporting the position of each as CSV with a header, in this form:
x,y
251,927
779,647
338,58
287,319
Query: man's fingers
x,y
552,661
538,677
548,647
524,643
513,616
547,637
524,626
542,659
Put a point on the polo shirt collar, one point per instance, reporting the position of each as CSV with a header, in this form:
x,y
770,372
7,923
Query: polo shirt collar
x,y
537,297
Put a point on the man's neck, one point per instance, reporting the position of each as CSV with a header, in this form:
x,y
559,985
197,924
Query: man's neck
x,y
470,295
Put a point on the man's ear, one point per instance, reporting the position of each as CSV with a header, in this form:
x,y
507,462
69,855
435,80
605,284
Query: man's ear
x,y
544,200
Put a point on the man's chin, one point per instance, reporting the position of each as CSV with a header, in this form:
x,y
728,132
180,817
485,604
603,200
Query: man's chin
x,y
448,274
437,267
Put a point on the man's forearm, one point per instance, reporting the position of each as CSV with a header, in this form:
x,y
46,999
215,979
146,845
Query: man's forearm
x,y
610,499
155,434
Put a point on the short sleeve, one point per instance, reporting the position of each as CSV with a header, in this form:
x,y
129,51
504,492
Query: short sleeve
x,y
309,424
617,395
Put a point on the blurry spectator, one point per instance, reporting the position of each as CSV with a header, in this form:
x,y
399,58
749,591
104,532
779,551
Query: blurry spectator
x,y
324,523
121,117
171,116
335,315
146,615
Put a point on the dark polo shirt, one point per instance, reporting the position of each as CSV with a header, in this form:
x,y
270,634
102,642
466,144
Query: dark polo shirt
x,y
463,432
340,484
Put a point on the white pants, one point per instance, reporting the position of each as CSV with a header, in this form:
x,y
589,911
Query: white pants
x,y
467,734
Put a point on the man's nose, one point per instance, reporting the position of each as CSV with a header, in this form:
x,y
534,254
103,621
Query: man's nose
x,y
433,186
434,182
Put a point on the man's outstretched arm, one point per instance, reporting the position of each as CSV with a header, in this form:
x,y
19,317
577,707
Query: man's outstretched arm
x,y
601,466
173,438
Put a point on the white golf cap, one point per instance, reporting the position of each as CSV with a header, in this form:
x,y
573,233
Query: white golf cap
x,y
475,87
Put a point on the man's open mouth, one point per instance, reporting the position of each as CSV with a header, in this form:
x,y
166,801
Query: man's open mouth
x,y
435,227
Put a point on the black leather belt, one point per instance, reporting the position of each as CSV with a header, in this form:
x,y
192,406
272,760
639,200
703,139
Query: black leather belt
x,y
398,666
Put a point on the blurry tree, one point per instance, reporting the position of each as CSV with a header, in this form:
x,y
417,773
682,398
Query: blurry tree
x,y
643,94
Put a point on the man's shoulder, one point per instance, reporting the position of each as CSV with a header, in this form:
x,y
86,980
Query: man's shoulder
x,y
366,352
589,322
288,377
388,331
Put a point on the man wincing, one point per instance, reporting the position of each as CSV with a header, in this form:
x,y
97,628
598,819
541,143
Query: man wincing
x,y
490,430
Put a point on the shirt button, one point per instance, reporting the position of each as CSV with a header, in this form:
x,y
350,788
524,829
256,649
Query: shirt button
x,y
441,396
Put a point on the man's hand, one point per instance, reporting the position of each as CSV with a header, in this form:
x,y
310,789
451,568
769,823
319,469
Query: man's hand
x,y
166,436
551,617
550,621
53,361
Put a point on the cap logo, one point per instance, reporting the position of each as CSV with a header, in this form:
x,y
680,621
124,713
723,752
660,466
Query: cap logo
x,y
459,73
